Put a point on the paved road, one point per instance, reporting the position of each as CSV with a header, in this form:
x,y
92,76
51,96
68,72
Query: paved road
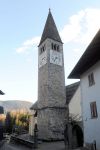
x,y
42,146
51,146
9,146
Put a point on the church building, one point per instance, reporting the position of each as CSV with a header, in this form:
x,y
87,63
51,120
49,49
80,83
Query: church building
x,y
51,109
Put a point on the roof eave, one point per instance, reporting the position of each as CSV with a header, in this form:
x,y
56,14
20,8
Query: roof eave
x,y
89,58
2,93
51,39
74,76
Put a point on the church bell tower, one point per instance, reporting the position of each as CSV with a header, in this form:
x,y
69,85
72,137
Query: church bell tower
x,y
51,83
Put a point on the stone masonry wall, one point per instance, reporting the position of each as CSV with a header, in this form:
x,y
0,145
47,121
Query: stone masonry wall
x,y
51,126
51,81
51,97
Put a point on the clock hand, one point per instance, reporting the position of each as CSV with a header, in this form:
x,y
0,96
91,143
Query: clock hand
x,y
43,58
55,59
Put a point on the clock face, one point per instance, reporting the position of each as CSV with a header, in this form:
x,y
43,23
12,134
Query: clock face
x,y
42,59
56,57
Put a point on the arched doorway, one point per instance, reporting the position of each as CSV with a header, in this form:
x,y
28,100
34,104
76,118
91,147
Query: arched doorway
x,y
77,134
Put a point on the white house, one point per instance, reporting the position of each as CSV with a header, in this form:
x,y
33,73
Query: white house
x,y
88,70
73,99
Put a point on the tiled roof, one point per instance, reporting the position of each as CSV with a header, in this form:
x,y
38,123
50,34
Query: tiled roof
x,y
70,91
50,30
34,106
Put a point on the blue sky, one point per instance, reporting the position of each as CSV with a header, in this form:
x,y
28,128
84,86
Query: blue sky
x,y
21,26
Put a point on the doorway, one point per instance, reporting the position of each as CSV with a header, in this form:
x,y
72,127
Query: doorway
x,y
77,134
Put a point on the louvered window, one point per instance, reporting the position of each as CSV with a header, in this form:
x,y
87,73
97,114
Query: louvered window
x,y
42,49
55,47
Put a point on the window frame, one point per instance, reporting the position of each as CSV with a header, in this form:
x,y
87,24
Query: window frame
x,y
42,49
93,108
55,47
91,80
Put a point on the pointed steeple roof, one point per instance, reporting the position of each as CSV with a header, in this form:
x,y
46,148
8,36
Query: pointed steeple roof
x,y
50,30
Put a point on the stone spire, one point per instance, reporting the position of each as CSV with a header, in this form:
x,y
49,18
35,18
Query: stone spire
x,y
50,30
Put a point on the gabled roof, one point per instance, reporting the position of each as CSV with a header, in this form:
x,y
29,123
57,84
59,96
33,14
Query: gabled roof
x,y
50,30
88,59
70,91
34,106
1,93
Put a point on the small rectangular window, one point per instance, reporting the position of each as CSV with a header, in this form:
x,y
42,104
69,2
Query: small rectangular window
x,y
42,49
58,48
93,108
52,46
91,79
55,47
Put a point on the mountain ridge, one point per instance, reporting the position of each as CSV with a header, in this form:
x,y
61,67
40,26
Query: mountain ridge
x,y
10,105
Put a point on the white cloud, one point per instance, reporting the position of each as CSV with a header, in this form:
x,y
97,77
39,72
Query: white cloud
x,y
32,41
30,60
80,29
21,49
28,44
72,29
82,26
